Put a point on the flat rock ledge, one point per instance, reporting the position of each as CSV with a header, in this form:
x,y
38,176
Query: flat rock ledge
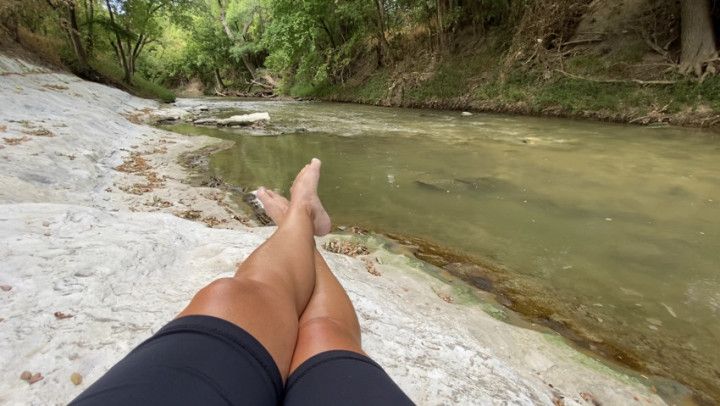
x,y
234,121
102,242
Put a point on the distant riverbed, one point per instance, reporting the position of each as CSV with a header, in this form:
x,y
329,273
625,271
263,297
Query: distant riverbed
x,y
609,232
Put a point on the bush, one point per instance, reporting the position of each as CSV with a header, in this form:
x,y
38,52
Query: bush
x,y
140,86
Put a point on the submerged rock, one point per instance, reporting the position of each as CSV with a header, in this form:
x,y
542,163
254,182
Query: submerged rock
x,y
206,121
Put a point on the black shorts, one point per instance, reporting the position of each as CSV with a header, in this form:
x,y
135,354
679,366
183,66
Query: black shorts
x,y
203,360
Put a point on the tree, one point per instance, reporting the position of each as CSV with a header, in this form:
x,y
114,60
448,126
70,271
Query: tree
x,y
240,38
134,25
697,37
383,45
67,10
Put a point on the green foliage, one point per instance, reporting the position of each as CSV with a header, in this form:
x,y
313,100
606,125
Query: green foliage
x,y
140,86
439,52
578,95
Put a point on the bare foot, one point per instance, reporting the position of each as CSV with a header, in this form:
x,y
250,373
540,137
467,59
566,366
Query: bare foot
x,y
304,192
275,205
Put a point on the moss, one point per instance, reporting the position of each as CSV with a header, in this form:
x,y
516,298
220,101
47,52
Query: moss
x,y
594,363
495,312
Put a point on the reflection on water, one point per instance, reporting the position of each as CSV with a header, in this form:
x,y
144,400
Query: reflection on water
x,y
614,228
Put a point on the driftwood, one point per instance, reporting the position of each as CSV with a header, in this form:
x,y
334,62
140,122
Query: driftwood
x,y
636,81
581,42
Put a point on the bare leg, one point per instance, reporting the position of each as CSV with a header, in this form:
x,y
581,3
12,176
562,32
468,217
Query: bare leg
x,y
329,321
271,289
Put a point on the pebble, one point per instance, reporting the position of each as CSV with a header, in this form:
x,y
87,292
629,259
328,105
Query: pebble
x,y
31,378
5,288
76,378
36,377
61,315
466,114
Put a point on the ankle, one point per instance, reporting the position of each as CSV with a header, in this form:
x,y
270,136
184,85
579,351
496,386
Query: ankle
x,y
301,206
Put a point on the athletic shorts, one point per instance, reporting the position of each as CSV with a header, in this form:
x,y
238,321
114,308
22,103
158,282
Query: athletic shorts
x,y
203,360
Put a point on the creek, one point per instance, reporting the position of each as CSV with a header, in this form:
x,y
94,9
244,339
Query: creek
x,y
613,231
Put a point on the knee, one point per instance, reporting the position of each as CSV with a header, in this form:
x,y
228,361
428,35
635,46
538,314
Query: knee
x,y
332,328
229,290
222,287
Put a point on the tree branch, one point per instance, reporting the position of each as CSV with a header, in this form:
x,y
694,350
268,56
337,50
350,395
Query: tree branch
x,y
636,81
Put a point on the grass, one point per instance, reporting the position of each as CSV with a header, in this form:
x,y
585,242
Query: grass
x,y
140,86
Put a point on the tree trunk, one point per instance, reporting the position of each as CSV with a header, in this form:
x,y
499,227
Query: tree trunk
x,y
90,18
219,84
119,45
325,27
73,31
440,27
223,20
697,37
383,45
75,35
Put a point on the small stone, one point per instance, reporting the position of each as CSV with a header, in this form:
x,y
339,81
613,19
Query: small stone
x,y
36,377
61,315
25,375
76,378
608,219
6,288
466,114
46,224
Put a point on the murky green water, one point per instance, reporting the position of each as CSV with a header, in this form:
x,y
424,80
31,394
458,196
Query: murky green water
x,y
615,229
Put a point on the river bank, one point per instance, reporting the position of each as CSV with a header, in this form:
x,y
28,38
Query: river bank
x,y
467,82
104,239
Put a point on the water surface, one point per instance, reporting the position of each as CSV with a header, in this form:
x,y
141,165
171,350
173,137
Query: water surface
x,y
612,230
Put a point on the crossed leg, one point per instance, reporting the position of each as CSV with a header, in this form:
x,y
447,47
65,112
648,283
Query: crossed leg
x,y
284,294
329,321
287,299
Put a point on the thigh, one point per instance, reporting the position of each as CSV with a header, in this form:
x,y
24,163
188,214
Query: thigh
x,y
342,378
260,309
194,360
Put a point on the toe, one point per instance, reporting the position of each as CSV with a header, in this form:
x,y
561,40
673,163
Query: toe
x,y
262,194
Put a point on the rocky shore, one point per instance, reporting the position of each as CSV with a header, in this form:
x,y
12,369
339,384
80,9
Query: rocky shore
x,y
103,240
